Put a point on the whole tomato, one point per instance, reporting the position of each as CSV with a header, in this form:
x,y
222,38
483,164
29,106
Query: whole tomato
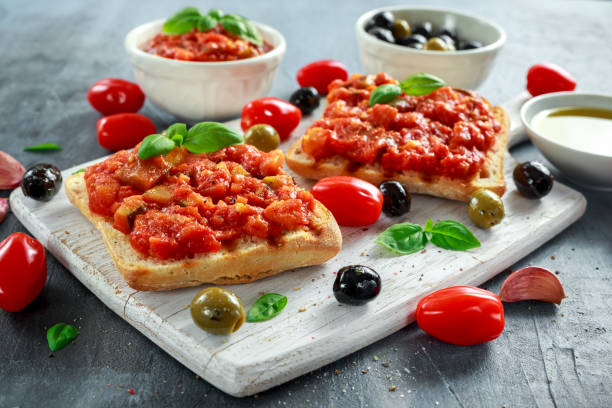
x,y
23,271
123,130
114,95
546,78
462,315
352,201
320,74
278,113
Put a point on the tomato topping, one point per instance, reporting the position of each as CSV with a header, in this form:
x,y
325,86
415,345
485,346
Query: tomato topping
x,y
123,130
23,271
546,78
320,74
352,201
446,133
215,44
184,204
462,315
278,113
114,95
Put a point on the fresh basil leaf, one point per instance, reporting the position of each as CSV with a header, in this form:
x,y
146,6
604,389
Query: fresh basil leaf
x,y
78,171
183,21
215,13
421,84
266,307
208,137
234,26
404,238
385,94
60,335
155,145
207,23
176,129
428,226
450,234
42,147
253,33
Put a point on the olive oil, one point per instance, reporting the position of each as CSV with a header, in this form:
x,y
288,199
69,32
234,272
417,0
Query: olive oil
x,y
580,128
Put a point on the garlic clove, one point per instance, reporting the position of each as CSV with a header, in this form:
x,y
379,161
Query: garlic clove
x,y
4,207
11,172
532,283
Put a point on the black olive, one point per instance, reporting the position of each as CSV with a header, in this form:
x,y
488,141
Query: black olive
x,y
469,45
41,182
448,32
384,19
382,34
306,98
425,29
396,198
369,25
532,179
447,38
356,285
414,41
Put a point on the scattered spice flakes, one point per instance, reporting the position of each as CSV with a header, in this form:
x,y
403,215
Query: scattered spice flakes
x,y
392,388
256,396
364,371
376,358
385,364
423,251
338,372
131,391
557,272
302,309
296,289
344,390
552,257
562,314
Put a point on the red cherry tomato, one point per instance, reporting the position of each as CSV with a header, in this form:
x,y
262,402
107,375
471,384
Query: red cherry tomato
x,y
123,130
546,78
462,315
320,74
113,95
352,201
23,271
278,113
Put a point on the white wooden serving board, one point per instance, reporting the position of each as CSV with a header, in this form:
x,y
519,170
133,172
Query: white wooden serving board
x,y
262,355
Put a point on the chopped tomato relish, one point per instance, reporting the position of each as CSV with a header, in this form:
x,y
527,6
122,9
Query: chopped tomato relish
x,y
215,44
182,204
446,133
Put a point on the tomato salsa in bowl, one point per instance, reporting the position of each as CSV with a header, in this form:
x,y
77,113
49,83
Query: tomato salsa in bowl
x,y
216,86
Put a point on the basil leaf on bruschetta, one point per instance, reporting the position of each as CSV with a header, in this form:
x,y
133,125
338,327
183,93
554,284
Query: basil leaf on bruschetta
x,y
385,94
421,84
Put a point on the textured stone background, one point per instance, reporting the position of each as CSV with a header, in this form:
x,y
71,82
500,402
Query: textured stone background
x,y
547,356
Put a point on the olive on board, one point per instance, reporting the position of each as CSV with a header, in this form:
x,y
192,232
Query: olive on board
x,y
384,19
469,45
425,29
532,179
306,99
217,311
262,136
382,34
401,29
41,182
396,200
356,285
485,208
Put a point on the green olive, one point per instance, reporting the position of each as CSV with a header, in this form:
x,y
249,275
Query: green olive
x,y
401,29
264,137
217,311
485,208
436,44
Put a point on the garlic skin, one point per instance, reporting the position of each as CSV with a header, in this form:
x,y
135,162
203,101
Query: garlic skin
x,y
532,283
4,207
11,171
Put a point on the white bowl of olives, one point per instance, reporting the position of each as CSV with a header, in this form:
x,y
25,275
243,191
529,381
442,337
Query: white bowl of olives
x,y
457,47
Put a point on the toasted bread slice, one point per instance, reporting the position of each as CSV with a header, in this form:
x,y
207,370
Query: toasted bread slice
x,y
247,260
491,177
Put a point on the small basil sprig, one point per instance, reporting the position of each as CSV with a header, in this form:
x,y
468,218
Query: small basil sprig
x,y
43,147
203,137
414,85
407,238
189,18
266,307
60,335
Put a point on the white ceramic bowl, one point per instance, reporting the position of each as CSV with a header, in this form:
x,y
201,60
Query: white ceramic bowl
x,y
461,69
586,168
203,90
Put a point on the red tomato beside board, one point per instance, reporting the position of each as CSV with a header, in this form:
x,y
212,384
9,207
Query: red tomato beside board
x,y
352,201
320,74
114,95
278,113
123,130
547,78
461,315
23,271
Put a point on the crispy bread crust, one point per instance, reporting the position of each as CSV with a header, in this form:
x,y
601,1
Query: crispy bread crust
x,y
247,260
492,178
